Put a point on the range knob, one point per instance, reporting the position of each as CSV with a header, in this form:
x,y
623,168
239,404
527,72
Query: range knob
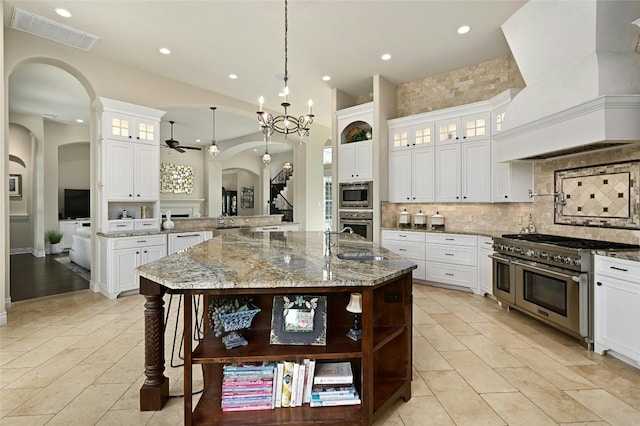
x,y
529,253
567,259
576,262
544,255
557,258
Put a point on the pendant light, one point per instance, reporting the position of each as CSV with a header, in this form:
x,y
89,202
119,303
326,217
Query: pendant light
x,y
213,148
266,158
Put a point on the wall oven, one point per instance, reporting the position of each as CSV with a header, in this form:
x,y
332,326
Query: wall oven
x,y
360,222
356,195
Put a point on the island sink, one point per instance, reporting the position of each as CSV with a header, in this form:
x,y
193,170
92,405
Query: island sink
x,y
363,257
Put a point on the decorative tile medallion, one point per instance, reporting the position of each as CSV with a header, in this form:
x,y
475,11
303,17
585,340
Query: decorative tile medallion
x,y
176,178
604,195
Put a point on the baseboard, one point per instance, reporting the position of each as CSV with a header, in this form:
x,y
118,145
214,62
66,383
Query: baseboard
x,y
22,250
7,303
39,253
3,319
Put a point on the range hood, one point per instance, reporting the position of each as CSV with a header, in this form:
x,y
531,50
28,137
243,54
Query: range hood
x,y
582,73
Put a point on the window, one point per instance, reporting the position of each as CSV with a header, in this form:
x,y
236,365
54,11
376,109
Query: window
x,y
328,185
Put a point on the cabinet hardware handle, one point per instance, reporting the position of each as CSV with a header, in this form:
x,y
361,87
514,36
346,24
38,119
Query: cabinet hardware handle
x,y
449,274
402,236
141,241
120,226
191,235
619,269
506,196
465,197
457,198
130,195
450,239
449,254
598,283
402,249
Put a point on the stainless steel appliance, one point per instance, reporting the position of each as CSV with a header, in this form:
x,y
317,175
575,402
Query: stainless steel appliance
x,y
360,222
356,195
549,277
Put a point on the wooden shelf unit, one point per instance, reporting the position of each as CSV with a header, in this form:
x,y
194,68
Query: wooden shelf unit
x,y
381,361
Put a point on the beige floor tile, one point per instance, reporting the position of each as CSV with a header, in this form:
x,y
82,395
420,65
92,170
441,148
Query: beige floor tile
x,y
517,410
126,370
12,398
625,386
390,417
130,399
42,353
555,403
90,325
489,352
459,399
115,349
47,372
9,375
99,397
440,338
468,314
426,358
444,297
57,395
566,350
418,385
501,335
421,317
430,306
454,325
556,373
477,373
7,356
26,420
423,410
125,417
607,406
171,415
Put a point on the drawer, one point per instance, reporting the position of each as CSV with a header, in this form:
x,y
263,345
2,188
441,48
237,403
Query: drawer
x,y
119,226
406,249
457,239
417,237
420,273
141,241
485,243
464,276
146,225
459,255
622,269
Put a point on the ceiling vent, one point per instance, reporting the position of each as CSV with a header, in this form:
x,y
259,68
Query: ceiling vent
x,y
51,30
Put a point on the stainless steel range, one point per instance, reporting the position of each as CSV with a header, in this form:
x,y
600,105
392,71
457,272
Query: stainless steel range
x,y
549,277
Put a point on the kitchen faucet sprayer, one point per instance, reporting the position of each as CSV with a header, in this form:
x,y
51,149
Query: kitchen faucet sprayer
x,y
328,244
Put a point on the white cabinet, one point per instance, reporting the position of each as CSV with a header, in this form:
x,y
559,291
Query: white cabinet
x,y
131,172
355,161
512,182
277,228
412,164
182,240
128,127
452,259
68,228
410,245
466,128
617,307
485,265
463,172
118,257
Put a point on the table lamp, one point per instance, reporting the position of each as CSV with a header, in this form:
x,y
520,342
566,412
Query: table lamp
x,y
355,307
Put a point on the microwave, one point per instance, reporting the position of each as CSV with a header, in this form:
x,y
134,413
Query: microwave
x,y
356,195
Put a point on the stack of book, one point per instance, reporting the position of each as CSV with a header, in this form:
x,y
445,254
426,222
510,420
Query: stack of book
x,y
333,385
247,387
293,383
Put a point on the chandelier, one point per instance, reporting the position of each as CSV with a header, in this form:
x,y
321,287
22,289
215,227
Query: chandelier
x,y
285,124
213,148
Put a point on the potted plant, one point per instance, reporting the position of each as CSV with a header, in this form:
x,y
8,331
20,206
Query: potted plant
x,y
54,236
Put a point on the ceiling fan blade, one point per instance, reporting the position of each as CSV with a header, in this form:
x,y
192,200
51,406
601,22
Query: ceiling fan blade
x,y
177,148
191,147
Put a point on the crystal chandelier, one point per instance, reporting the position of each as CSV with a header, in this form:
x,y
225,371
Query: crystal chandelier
x,y
285,124
213,148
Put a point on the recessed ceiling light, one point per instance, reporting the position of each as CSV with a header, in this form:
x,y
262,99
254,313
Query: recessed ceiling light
x,y
385,57
63,12
255,149
464,29
233,76
326,77
79,120
164,51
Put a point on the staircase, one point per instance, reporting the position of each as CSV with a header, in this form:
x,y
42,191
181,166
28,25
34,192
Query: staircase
x,y
278,203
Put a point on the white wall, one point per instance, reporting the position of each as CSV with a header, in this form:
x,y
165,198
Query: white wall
x,y
195,159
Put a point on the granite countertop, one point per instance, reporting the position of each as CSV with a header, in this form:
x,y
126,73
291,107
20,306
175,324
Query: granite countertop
x,y
270,260
633,255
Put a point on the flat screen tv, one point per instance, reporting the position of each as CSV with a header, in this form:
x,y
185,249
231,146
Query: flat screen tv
x,y
76,203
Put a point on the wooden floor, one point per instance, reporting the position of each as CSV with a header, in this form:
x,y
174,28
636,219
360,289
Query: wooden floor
x,y
33,277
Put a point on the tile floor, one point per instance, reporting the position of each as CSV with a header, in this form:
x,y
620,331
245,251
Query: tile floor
x,y
76,359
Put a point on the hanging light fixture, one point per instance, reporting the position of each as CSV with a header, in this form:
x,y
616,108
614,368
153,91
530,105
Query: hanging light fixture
x,y
266,158
213,148
285,124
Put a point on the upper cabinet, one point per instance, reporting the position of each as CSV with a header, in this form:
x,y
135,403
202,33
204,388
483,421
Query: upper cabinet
x,y
447,156
355,143
128,172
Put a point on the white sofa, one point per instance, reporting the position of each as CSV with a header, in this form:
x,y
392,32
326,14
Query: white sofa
x,y
80,252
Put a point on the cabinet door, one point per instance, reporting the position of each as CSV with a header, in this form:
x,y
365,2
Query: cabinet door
x,y
364,160
119,170
147,131
501,181
448,131
423,175
448,173
124,262
400,176
475,127
68,228
346,162
399,139
147,172
617,317
182,241
149,254
485,265
119,126
476,171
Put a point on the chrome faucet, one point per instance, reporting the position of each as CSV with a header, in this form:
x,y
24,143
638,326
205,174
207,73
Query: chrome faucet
x,y
328,244
559,197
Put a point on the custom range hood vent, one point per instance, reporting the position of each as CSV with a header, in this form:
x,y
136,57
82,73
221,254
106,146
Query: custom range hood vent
x,y
51,30
582,74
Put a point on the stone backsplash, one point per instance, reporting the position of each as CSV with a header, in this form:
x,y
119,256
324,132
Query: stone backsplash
x,y
499,218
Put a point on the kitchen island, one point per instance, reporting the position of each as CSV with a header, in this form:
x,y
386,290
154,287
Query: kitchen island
x,y
266,265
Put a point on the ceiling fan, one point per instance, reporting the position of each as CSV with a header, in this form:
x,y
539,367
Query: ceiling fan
x,y
174,144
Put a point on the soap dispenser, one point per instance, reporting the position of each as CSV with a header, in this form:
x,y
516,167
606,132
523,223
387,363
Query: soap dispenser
x,y
531,228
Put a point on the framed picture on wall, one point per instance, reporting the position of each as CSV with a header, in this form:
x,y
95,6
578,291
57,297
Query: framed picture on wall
x,y
15,185
247,197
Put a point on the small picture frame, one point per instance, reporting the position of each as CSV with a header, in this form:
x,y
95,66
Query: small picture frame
x,y
299,320
15,185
